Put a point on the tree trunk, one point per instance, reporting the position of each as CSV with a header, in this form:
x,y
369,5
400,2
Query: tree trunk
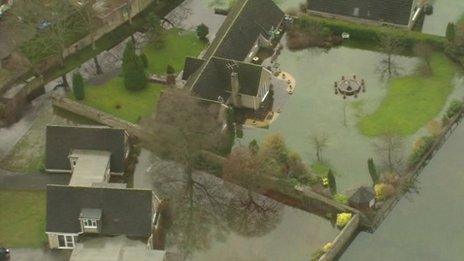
x,y
97,65
65,82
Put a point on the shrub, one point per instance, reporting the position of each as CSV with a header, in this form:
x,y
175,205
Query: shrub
x,y
202,32
454,108
434,127
327,247
78,86
450,32
133,69
144,59
372,33
422,146
372,171
170,69
343,219
341,198
317,254
383,191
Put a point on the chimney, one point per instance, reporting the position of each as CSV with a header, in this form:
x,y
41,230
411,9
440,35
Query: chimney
x,y
235,86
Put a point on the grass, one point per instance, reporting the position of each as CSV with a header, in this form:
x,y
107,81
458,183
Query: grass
x,y
412,101
320,168
22,218
114,99
178,45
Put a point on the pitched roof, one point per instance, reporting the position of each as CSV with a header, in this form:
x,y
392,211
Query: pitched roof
x,y
191,65
215,80
362,195
391,11
247,20
123,211
61,140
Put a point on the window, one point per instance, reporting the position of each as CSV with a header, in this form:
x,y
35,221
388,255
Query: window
x,y
89,223
65,241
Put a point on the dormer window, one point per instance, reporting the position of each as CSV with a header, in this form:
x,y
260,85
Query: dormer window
x,y
90,219
89,223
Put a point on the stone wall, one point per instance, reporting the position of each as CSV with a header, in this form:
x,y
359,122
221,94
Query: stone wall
x,y
343,238
103,118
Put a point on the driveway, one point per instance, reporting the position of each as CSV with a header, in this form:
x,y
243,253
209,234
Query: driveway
x,y
37,254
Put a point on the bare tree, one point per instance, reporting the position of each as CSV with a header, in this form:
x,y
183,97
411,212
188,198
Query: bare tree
x,y
390,45
390,147
319,142
184,127
425,52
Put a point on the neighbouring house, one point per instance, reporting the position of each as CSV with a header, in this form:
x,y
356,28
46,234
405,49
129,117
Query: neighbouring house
x,y
392,12
229,71
90,204
74,212
67,145
363,198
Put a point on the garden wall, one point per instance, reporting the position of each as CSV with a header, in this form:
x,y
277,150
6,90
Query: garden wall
x,y
371,33
102,117
342,239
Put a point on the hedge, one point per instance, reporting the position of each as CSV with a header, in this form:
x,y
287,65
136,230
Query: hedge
x,y
371,33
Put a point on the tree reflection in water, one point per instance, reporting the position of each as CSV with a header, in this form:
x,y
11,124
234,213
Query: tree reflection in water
x,y
204,208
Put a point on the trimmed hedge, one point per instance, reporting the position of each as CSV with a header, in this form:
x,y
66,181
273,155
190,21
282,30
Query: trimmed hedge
x,y
371,33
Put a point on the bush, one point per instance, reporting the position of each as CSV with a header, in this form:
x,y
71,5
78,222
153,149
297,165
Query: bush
x,y
327,247
383,191
341,198
450,32
421,147
170,69
317,254
202,32
434,127
133,69
343,219
454,108
78,86
144,59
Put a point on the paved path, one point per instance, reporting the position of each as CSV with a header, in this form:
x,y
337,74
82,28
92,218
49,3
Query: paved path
x,y
25,181
38,254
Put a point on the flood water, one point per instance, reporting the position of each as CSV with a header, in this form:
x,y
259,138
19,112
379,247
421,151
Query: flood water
x,y
212,220
444,11
424,226
315,110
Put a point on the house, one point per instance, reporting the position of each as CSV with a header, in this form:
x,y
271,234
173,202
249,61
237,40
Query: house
x,y
76,211
392,12
228,72
90,204
363,198
65,145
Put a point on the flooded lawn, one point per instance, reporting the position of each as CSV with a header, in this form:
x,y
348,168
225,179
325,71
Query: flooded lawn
x,y
212,219
315,110
428,223
444,11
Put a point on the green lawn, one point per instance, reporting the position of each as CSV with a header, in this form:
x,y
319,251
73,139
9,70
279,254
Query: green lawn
x,y
412,101
22,218
114,99
178,45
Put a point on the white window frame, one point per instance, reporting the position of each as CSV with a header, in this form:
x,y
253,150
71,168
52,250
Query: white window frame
x,y
89,223
68,239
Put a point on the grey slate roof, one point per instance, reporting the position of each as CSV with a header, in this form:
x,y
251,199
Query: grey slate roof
x,y
245,23
391,11
61,140
362,195
124,211
191,65
215,80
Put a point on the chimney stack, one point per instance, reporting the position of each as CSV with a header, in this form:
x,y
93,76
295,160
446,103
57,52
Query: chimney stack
x,y
235,86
